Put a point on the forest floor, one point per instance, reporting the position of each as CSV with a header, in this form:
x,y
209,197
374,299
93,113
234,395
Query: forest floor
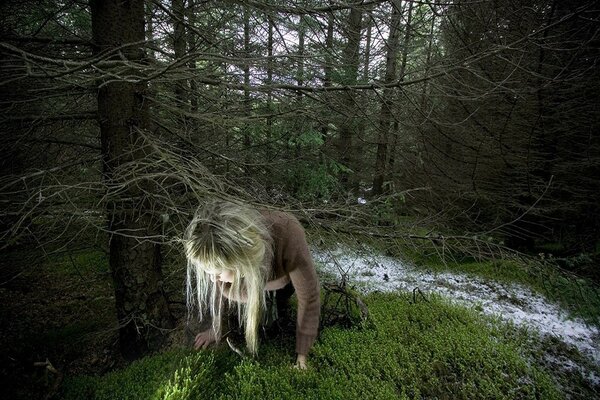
x,y
569,344
60,309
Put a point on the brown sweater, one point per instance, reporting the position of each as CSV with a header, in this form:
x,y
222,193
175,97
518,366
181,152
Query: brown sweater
x,y
292,262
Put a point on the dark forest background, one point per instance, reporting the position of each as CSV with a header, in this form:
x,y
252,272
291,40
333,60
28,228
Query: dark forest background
x,y
471,125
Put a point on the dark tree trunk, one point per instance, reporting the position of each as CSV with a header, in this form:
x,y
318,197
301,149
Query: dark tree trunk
x,y
179,45
351,60
363,99
192,43
150,30
327,72
247,98
269,94
385,116
300,120
135,261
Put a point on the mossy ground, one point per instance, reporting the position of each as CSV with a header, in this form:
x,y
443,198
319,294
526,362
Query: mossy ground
x,y
408,351
58,307
61,308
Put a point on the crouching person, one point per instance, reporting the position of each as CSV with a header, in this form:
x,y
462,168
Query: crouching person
x,y
241,257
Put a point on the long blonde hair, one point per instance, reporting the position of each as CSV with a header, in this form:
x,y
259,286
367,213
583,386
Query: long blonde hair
x,y
225,236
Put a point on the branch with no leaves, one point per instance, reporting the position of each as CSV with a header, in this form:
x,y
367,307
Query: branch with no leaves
x,y
50,368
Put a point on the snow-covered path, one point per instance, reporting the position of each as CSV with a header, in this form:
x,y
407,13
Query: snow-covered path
x,y
511,302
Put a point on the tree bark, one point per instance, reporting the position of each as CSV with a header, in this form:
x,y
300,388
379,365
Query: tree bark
x,y
247,98
300,120
351,61
135,262
364,97
270,107
327,72
150,30
192,44
179,45
270,76
424,92
385,115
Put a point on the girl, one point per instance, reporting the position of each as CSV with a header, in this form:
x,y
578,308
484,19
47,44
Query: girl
x,y
235,255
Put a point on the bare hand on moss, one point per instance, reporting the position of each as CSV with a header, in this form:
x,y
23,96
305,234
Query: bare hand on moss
x,y
300,362
204,339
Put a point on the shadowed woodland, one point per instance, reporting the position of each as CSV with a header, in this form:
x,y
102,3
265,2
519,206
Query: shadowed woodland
x,y
463,129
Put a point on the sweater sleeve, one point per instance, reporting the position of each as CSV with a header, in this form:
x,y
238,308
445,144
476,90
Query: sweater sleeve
x,y
299,265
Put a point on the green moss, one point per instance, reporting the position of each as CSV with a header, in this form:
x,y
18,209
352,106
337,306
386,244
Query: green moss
x,y
64,335
579,296
173,375
551,247
82,263
410,351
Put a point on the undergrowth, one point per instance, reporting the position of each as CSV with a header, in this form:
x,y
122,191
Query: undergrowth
x,y
423,350
544,275
579,296
409,351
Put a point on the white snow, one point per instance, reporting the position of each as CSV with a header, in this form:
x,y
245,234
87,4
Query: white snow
x,y
511,302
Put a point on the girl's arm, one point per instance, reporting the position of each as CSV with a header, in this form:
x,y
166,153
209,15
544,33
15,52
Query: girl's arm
x,y
298,263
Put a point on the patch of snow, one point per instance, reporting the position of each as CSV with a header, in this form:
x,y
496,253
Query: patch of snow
x,y
510,302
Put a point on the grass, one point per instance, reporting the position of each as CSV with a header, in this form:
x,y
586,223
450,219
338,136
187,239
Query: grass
x,y
408,351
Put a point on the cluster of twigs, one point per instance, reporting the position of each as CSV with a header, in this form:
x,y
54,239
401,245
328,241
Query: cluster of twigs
x,y
342,306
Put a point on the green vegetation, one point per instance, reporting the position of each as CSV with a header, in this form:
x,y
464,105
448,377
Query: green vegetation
x,y
577,295
86,262
159,376
422,350
411,351
549,276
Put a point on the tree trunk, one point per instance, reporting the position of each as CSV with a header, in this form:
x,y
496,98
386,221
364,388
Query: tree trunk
x,y
386,157
247,99
385,116
428,56
327,72
135,261
300,120
364,98
150,30
179,45
192,43
351,61
270,108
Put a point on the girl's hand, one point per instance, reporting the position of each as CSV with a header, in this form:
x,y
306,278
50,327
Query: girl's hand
x,y
204,339
300,362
